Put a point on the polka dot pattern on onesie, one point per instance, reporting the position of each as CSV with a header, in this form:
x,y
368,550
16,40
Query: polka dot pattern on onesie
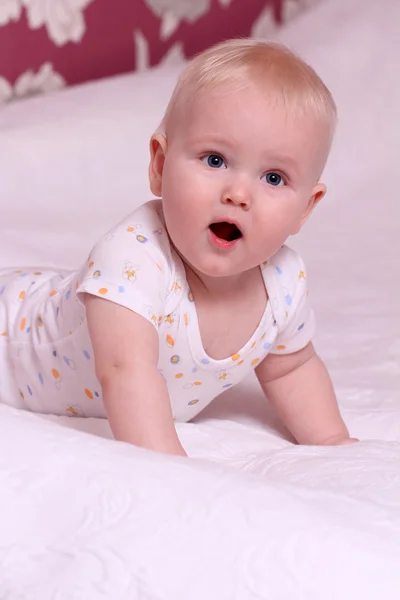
x,y
135,266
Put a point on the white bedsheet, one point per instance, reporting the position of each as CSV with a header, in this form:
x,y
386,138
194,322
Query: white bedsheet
x,y
251,516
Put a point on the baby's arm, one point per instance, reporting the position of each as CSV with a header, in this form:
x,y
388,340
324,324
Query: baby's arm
x,y
135,395
299,388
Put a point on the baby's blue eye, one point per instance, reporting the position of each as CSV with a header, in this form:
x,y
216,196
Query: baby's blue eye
x,y
215,161
274,179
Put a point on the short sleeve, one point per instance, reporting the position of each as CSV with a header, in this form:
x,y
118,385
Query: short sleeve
x,y
287,285
131,269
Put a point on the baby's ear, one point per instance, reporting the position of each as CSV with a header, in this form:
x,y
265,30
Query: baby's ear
x,y
158,150
318,192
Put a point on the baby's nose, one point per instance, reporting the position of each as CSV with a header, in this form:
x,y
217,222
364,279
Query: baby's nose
x,y
237,196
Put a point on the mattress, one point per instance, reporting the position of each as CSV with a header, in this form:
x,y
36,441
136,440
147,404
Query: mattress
x,y
250,515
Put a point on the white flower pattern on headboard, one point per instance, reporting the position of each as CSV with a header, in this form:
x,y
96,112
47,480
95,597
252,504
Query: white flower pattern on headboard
x,y
63,18
182,9
10,10
172,12
29,83
57,51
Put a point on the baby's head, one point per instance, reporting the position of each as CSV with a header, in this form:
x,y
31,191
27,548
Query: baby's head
x,y
239,154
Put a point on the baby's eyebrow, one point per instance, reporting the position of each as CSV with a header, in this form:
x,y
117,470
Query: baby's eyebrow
x,y
209,139
281,159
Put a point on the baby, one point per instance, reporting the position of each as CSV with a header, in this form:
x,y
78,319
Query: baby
x,y
189,293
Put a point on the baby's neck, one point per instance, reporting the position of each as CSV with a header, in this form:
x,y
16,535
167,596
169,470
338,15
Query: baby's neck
x,y
220,287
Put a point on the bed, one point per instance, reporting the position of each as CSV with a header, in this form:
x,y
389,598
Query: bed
x,y
251,515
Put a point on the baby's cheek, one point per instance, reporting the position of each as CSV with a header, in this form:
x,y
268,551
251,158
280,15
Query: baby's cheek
x,y
276,222
177,190
288,214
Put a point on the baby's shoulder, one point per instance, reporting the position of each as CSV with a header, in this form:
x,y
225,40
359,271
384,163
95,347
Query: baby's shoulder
x,y
146,219
142,233
285,276
288,265
285,258
136,259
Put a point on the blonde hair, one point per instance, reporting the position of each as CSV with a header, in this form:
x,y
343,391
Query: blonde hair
x,y
238,63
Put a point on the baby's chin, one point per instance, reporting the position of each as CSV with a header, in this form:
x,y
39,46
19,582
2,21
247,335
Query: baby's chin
x,y
218,269
213,264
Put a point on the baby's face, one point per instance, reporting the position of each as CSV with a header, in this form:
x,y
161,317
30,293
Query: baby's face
x,y
239,177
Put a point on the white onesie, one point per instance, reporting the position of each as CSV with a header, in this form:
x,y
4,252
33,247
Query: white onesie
x,y
46,357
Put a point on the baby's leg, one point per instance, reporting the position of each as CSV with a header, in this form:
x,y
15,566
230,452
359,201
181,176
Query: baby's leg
x,y
8,387
9,392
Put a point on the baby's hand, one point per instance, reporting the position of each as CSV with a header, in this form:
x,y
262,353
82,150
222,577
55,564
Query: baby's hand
x,y
348,441
340,441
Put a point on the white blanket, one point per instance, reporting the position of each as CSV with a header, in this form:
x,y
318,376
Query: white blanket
x,y
251,516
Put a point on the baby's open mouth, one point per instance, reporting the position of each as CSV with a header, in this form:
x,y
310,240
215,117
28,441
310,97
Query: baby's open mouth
x,y
226,231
